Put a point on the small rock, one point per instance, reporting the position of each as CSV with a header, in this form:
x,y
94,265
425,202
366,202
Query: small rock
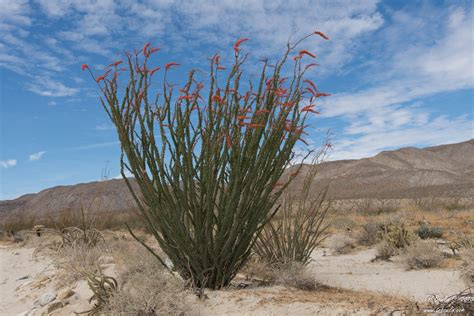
x,y
106,259
66,293
26,313
54,306
75,298
46,298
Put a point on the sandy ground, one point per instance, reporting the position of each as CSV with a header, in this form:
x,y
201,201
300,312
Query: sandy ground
x,y
357,272
26,282
28,287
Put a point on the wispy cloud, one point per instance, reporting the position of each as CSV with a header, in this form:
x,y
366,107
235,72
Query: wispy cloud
x,y
49,87
37,156
389,111
8,163
97,145
104,127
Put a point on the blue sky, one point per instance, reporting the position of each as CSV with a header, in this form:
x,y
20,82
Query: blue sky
x,y
401,73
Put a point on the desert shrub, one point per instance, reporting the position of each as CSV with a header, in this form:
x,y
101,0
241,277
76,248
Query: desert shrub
x,y
422,255
208,158
147,287
73,260
385,250
296,275
343,223
299,226
371,233
289,274
371,207
466,241
425,231
396,234
103,288
342,244
461,303
467,268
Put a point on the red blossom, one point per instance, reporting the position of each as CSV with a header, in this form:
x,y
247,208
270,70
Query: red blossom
x,y
154,49
243,117
254,125
281,92
262,111
227,139
322,35
322,94
115,64
288,104
217,98
305,52
154,70
99,79
186,97
169,65
84,67
310,110
311,65
238,42
311,84
311,91
145,49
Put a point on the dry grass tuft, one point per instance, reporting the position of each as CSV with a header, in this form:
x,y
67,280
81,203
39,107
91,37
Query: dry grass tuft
x,y
147,287
342,244
385,250
423,255
291,274
467,269
370,233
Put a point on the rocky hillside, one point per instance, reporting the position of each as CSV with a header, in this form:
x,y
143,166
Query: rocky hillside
x,y
446,170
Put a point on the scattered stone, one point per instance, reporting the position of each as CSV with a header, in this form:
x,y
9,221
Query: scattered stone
x,y
46,298
106,259
26,313
54,306
66,293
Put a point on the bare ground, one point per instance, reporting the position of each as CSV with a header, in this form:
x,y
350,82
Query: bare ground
x,y
357,286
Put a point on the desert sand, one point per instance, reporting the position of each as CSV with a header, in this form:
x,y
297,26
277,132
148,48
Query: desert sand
x,y
28,284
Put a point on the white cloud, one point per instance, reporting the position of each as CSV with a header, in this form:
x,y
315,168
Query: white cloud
x,y
8,163
440,130
37,156
388,113
97,145
46,86
104,127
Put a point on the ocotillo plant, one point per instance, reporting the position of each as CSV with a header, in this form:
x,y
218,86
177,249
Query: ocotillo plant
x,y
301,223
208,160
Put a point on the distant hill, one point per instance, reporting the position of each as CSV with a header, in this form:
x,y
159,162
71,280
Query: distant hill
x,y
446,170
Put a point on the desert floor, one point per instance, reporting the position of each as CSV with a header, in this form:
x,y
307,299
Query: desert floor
x,y
29,286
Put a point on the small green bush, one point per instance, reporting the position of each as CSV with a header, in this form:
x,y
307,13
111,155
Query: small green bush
x,y
397,235
425,232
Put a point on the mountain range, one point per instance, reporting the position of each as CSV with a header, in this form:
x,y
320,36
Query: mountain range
x,y
442,171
